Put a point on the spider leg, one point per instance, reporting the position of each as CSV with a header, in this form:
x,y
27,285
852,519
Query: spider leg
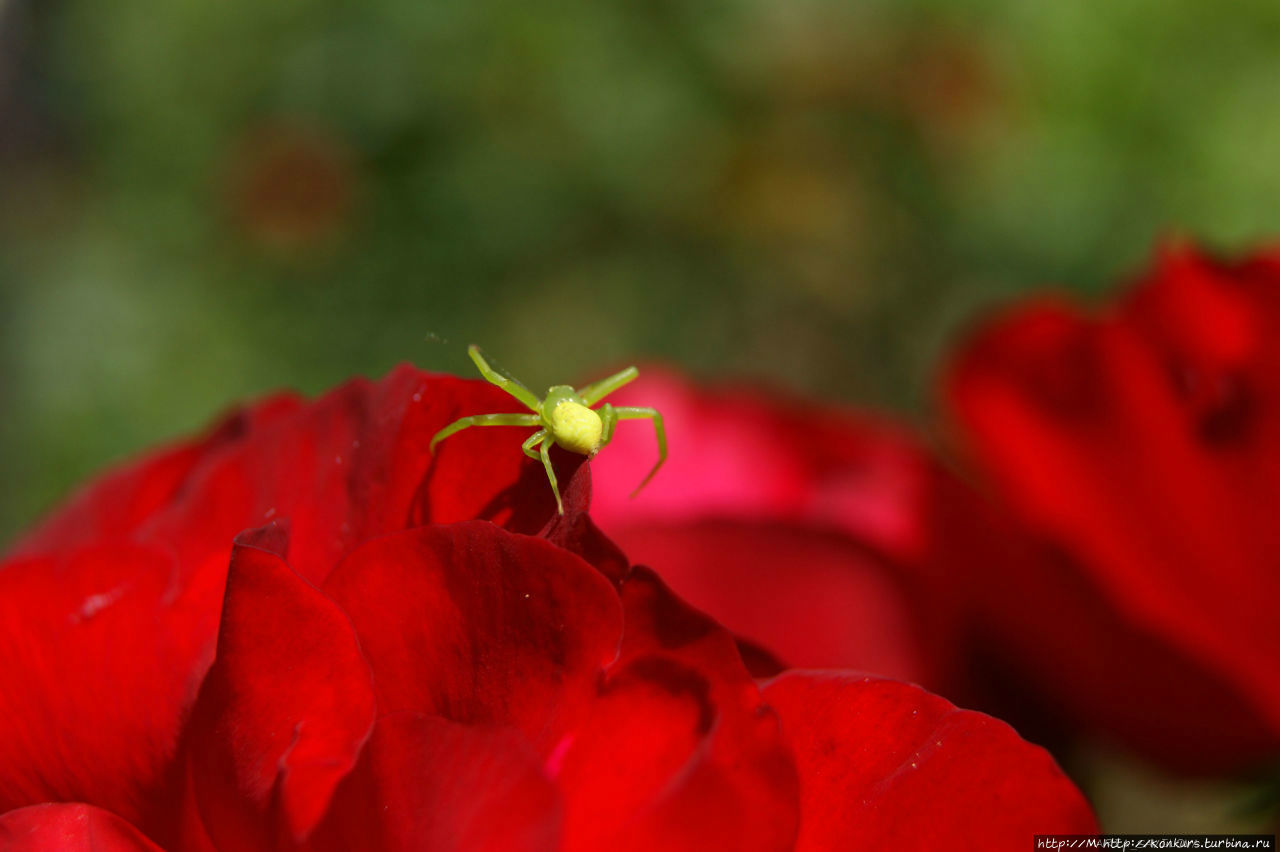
x,y
551,473
628,413
609,420
500,377
534,440
597,391
484,420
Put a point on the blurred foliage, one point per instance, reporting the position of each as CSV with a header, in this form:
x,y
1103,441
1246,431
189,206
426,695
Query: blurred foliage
x,y
200,201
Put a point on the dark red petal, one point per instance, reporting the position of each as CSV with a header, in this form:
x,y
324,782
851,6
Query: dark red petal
x,y
103,650
812,598
678,752
886,765
804,529
660,764
1197,312
426,783
128,668
349,466
479,625
68,828
286,707
658,621
1046,669
576,532
357,464
1121,446
122,501
481,472
341,469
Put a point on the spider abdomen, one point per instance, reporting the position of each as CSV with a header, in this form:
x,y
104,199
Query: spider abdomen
x,y
574,426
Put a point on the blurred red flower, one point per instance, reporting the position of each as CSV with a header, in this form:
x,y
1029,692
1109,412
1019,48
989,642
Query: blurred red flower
x,y
304,632
1130,574
805,529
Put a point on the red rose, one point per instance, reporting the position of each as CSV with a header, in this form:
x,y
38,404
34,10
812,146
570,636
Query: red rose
x,y
408,652
1138,449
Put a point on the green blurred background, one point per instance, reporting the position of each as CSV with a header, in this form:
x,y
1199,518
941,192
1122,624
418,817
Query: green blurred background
x,y
204,200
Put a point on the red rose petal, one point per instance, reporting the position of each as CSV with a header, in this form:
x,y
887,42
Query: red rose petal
x,y
886,765
481,472
68,828
1136,449
576,532
813,598
427,783
1049,669
476,624
103,651
803,528
647,725
660,764
657,621
679,751
285,709
342,469
119,503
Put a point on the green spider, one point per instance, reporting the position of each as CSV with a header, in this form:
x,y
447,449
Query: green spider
x,y
563,417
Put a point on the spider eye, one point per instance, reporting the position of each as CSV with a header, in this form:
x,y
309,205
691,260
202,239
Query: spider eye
x,y
576,427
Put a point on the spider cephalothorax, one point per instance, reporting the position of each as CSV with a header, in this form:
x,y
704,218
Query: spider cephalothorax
x,y
563,417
